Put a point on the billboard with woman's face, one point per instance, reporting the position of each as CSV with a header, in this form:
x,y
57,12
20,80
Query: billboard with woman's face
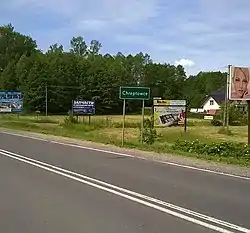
x,y
239,86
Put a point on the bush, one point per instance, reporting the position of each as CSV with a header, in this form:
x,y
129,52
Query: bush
x,y
195,115
70,119
216,122
149,132
222,149
237,117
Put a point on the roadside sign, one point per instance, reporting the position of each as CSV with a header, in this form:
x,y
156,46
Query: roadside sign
x,y
11,101
170,112
170,102
83,107
134,93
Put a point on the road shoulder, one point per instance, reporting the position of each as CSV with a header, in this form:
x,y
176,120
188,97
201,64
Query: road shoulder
x,y
174,160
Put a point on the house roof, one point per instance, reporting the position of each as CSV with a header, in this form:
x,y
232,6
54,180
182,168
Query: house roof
x,y
219,95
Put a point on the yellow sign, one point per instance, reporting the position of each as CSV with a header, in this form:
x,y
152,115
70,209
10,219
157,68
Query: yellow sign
x,y
169,112
170,102
161,102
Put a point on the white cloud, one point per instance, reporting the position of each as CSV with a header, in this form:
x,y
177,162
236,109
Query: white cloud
x,y
185,63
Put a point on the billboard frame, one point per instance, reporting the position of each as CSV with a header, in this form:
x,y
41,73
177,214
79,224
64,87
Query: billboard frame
x,y
13,104
173,103
244,76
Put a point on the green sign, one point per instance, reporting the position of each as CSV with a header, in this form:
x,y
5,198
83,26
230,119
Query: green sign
x,y
134,93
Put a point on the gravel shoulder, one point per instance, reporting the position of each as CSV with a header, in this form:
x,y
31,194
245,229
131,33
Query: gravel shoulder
x,y
153,156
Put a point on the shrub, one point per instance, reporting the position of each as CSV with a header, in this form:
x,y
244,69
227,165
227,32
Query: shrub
x,y
195,115
222,149
70,119
149,132
237,117
216,122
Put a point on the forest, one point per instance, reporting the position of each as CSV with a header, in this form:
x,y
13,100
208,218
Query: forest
x,y
84,72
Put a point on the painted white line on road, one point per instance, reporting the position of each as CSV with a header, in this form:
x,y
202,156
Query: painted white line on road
x,y
131,156
114,189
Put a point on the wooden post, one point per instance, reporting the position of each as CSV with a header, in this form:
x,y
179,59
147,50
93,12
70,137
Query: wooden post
x,y
123,123
248,128
142,122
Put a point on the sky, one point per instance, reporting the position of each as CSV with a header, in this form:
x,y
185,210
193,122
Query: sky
x,y
202,35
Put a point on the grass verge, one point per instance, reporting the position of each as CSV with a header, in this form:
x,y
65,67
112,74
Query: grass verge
x,y
107,130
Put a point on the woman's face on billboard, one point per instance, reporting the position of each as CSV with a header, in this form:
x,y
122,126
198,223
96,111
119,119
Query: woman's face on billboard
x,y
241,79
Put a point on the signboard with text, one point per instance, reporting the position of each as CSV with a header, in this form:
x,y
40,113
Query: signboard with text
x,y
134,93
83,107
169,112
11,102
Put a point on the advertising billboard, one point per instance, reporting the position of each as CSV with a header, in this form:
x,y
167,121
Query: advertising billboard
x,y
169,112
11,102
239,86
83,107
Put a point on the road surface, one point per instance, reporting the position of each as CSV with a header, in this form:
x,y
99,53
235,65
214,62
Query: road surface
x,y
49,187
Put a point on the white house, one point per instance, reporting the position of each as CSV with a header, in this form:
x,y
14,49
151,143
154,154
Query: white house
x,y
213,103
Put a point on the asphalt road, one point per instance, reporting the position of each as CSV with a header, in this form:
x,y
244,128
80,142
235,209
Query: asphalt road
x,y
37,197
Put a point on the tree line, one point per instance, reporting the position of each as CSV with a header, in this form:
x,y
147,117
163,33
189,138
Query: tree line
x,y
84,72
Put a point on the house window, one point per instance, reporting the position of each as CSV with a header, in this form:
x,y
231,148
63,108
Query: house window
x,y
211,102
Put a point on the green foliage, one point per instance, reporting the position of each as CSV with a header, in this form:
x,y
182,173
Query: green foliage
x,y
199,86
195,115
85,73
221,149
70,119
237,114
216,122
149,132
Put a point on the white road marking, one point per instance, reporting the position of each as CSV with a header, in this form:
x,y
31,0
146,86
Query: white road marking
x,y
127,194
131,156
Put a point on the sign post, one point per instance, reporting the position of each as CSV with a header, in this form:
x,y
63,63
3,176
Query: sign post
x,y
133,93
142,122
83,107
239,78
248,128
227,98
123,121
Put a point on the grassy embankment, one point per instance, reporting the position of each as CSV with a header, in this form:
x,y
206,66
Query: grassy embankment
x,y
107,129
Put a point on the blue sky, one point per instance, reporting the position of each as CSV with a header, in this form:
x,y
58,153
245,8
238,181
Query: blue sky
x,y
199,34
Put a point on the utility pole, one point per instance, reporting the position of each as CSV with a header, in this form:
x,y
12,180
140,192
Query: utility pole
x,y
46,99
228,101
225,108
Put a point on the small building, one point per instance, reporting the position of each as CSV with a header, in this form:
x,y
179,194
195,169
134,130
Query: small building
x,y
213,102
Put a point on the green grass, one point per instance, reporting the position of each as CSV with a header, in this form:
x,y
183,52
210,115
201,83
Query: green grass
x,y
107,130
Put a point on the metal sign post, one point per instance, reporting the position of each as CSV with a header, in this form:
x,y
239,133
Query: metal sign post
x,y
134,93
